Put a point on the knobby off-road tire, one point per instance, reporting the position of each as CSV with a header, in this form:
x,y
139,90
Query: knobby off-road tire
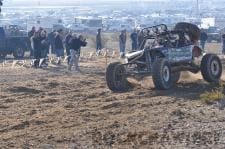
x,y
161,74
211,68
116,77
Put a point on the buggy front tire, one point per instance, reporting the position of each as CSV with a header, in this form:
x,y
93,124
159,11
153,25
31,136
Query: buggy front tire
x,y
161,74
116,77
211,68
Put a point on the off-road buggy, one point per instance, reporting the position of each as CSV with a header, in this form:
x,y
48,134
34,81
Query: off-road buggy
x,y
163,54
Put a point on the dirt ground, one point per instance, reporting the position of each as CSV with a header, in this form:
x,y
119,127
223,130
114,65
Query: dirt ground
x,y
51,108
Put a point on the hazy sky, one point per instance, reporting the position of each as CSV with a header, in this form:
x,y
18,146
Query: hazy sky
x,y
66,1
75,0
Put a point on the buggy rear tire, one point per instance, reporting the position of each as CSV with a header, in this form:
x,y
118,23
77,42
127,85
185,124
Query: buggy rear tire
x,y
211,68
161,74
116,77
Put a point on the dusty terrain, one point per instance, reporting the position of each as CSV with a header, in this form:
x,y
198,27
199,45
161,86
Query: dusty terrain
x,y
51,108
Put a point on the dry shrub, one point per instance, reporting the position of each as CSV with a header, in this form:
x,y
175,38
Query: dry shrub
x,y
215,95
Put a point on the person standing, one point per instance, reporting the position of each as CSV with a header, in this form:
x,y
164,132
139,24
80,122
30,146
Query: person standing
x,y
134,38
51,39
67,45
122,42
76,43
44,43
223,40
98,42
36,45
203,39
59,49
30,34
140,39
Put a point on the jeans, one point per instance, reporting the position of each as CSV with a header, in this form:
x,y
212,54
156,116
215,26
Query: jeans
x,y
44,53
122,49
98,47
59,52
74,59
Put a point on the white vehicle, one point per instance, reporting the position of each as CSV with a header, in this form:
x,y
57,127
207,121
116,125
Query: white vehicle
x,y
77,27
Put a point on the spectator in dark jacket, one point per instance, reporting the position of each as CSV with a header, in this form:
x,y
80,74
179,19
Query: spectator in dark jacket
x,y
59,49
98,42
122,42
223,40
203,39
134,38
76,44
140,39
67,45
51,39
30,34
44,43
36,45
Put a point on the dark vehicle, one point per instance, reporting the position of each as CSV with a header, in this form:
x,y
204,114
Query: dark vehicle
x,y
214,34
14,41
163,54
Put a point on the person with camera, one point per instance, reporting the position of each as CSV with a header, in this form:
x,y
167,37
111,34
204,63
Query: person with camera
x,y
75,44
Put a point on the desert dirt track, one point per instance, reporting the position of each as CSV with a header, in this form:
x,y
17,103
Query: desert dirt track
x,y
51,108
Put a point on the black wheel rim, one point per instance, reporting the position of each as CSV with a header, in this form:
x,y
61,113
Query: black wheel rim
x,y
166,73
215,68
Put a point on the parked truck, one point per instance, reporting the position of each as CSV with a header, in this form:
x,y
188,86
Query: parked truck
x,y
13,41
